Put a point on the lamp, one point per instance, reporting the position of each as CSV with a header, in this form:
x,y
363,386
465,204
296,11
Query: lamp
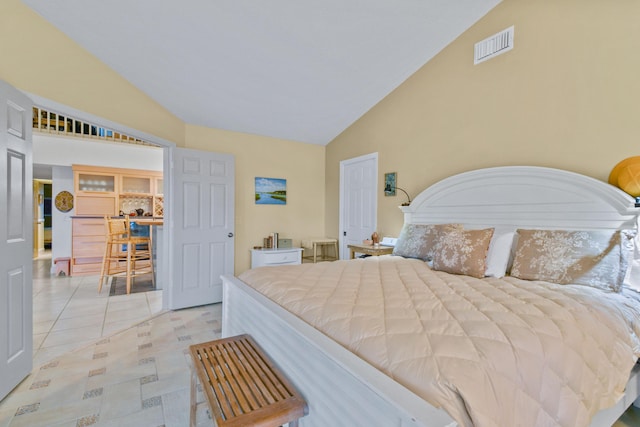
x,y
388,188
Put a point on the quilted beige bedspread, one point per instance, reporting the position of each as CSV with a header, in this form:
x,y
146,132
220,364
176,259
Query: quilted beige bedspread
x,y
491,352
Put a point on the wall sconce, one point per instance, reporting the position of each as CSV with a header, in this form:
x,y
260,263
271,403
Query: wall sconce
x,y
390,187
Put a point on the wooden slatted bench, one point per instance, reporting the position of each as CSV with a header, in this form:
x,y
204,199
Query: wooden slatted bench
x,y
242,386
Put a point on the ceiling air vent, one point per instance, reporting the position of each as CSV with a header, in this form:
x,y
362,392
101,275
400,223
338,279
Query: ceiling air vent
x,y
493,46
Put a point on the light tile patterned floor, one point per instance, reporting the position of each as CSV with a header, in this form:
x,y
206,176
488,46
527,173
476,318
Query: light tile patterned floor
x,y
108,361
68,312
136,377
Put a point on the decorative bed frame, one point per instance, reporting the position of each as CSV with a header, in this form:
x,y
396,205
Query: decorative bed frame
x,y
342,389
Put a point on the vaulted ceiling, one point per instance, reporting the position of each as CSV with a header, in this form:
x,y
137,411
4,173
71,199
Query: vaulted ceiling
x,y
292,69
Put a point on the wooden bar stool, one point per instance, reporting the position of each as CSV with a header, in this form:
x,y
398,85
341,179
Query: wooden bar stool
x,y
124,248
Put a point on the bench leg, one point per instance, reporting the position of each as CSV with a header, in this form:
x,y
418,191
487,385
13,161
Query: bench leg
x,y
194,391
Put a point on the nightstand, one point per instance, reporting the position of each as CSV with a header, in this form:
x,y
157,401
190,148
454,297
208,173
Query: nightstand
x,y
370,250
289,256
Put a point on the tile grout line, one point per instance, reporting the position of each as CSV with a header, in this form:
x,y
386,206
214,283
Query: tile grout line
x,y
106,308
58,316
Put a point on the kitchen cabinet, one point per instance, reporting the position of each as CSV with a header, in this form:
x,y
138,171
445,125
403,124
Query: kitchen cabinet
x,y
95,192
88,240
109,191
101,191
135,185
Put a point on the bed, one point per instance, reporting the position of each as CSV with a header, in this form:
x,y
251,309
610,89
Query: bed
x,y
342,388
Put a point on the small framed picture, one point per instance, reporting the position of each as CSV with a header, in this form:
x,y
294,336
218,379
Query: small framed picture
x,y
390,184
271,191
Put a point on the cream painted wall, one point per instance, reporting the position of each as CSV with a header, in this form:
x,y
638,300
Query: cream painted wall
x,y
302,165
37,58
566,96
41,60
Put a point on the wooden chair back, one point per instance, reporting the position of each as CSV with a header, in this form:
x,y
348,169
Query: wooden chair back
x,y
118,229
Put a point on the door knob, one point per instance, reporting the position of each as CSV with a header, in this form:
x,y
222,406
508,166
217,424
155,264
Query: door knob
x,y
230,235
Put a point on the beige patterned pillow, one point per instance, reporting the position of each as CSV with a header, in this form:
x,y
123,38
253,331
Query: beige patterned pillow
x,y
460,251
417,240
593,258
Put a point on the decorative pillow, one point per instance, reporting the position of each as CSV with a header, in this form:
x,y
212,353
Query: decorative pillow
x,y
499,253
592,258
460,251
417,240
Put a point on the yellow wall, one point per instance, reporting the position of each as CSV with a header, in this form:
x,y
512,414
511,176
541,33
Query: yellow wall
x,y
37,58
302,165
566,96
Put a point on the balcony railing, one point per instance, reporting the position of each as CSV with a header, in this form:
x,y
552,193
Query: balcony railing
x,y
49,122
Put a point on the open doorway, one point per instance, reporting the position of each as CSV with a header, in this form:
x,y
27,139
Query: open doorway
x,y
61,141
215,236
42,214
190,280
68,310
56,158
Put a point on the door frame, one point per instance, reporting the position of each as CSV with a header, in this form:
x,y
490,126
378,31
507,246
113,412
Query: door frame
x,y
371,156
163,256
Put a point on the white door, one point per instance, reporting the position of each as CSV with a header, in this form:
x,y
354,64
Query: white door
x,y
16,238
358,200
201,224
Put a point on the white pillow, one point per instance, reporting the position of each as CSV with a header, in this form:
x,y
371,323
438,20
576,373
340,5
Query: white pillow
x,y
500,251
632,277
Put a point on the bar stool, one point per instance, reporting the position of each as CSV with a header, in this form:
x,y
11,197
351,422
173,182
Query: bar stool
x,y
123,247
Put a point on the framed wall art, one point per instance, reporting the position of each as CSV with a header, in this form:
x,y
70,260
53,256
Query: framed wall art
x,y
390,184
271,191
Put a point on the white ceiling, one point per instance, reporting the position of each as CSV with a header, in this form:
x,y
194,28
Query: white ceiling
x,y
293,69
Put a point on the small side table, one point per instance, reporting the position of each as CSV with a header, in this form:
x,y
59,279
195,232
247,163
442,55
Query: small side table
x,y
321,243
370,250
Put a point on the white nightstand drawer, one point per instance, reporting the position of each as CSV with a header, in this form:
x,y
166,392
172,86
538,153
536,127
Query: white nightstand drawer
x,y
280,258
261,257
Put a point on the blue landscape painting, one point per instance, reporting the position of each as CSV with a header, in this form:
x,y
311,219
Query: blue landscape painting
x,y
271,191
